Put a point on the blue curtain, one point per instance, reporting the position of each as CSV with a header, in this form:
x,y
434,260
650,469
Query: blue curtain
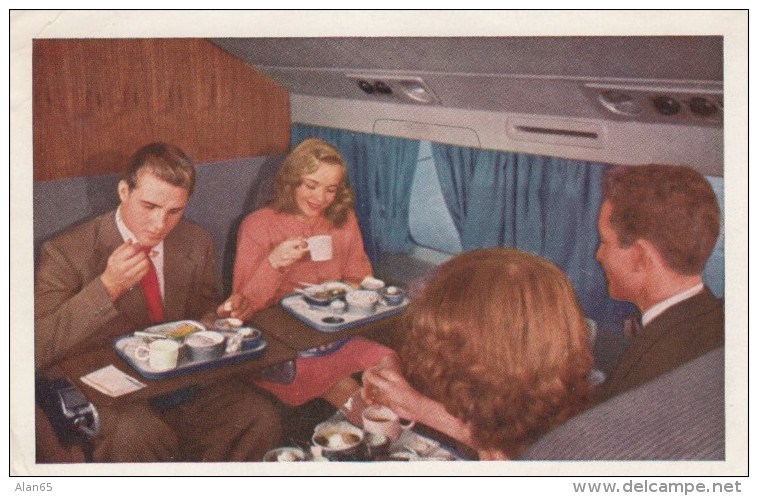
x,y
380,171
543,205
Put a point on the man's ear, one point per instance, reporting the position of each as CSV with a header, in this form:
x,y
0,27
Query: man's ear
x,y
123,190
646,255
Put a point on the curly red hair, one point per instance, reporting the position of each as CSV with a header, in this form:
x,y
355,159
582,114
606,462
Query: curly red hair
x,y
499,339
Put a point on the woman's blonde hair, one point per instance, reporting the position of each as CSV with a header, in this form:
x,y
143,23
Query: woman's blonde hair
x,y
305,159
499,339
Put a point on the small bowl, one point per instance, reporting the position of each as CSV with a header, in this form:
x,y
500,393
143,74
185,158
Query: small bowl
x,y
251,337
392,295
377,444
338,306
339,441
205,345
285,454
362,301
372,283
227,324
324,294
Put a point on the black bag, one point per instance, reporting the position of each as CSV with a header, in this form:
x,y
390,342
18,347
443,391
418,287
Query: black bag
x,y
74,419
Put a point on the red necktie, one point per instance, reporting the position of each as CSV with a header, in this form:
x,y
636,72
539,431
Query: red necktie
x,y
152,291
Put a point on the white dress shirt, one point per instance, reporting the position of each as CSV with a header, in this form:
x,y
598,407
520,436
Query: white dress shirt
x,y
669,302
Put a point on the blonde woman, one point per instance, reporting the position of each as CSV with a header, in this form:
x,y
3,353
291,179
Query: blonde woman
x,y
312,197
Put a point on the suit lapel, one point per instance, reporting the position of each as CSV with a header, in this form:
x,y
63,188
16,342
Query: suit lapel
x,y
178,268
637,349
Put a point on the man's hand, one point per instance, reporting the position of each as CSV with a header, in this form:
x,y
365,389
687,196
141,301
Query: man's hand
x,y
127,265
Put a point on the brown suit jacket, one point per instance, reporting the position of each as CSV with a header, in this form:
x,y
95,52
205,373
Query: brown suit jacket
x,y
682,333
72,311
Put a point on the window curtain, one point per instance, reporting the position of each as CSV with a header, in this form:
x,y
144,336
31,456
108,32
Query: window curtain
x,y
380,171
543,205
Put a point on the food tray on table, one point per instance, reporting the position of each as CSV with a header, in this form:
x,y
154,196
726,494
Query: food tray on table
x,y
410,446
324,318
126,346
417,447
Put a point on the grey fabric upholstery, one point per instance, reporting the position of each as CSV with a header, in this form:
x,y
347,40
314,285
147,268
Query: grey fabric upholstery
x,y
404,270
224,193
678,416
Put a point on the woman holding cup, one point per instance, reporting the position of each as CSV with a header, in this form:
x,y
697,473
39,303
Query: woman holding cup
x,y
495,353
309,233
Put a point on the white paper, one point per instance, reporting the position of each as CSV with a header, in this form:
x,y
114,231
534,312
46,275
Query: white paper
x,y
111,381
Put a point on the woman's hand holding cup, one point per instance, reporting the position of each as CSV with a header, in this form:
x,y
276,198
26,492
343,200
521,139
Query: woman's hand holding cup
x,y
384,384
381,420
287,252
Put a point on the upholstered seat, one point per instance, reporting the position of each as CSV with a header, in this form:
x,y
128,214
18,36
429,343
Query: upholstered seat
x,y
678,416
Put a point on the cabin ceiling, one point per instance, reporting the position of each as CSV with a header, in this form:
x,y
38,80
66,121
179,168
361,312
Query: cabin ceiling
x,y
556,76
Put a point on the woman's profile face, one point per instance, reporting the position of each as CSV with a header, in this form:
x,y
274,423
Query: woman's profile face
x,y
318,190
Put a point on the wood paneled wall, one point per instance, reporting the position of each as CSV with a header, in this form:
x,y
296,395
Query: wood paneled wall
x,y
97,101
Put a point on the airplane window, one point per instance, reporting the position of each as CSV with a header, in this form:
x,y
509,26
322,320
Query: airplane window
x,y
713,275
432,226
430,222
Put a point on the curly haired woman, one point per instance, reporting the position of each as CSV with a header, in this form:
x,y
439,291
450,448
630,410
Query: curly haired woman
x,y
495,353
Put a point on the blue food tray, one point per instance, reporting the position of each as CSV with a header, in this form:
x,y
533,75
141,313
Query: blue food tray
x,y
311,315
185,365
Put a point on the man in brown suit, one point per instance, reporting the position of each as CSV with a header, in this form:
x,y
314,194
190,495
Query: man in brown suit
x,y
88,291
658,225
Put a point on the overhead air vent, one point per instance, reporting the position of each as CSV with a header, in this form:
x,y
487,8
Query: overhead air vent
x,y
700,105
405,89
555,131
620,102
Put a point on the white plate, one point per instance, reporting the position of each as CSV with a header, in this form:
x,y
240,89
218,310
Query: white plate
x,y
165,328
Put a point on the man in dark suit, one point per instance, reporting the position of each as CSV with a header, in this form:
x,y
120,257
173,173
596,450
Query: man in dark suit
x,y
658,225
91,286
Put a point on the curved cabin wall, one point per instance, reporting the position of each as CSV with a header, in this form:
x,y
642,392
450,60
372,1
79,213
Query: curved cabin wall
x,y
593,140
96,101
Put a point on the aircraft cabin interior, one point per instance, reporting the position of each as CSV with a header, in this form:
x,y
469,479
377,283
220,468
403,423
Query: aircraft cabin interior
x,y
450,144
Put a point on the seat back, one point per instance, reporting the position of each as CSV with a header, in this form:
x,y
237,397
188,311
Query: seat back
x,y
678,416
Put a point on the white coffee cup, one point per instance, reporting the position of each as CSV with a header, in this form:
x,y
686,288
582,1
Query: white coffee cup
x,y
381,420
162,354
320,247
362,301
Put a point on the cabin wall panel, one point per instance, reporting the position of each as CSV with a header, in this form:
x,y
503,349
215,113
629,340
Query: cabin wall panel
x,y
96,101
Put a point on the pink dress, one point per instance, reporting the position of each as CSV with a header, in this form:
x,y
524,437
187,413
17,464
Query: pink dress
x,y
260,232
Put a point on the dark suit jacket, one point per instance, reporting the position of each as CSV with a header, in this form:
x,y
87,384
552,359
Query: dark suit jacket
x,y
72,311
682,333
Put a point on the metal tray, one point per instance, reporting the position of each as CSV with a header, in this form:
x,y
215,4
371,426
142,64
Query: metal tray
x,y
125,346
313,315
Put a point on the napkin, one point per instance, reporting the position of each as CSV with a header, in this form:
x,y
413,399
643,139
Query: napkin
x,y
111,381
